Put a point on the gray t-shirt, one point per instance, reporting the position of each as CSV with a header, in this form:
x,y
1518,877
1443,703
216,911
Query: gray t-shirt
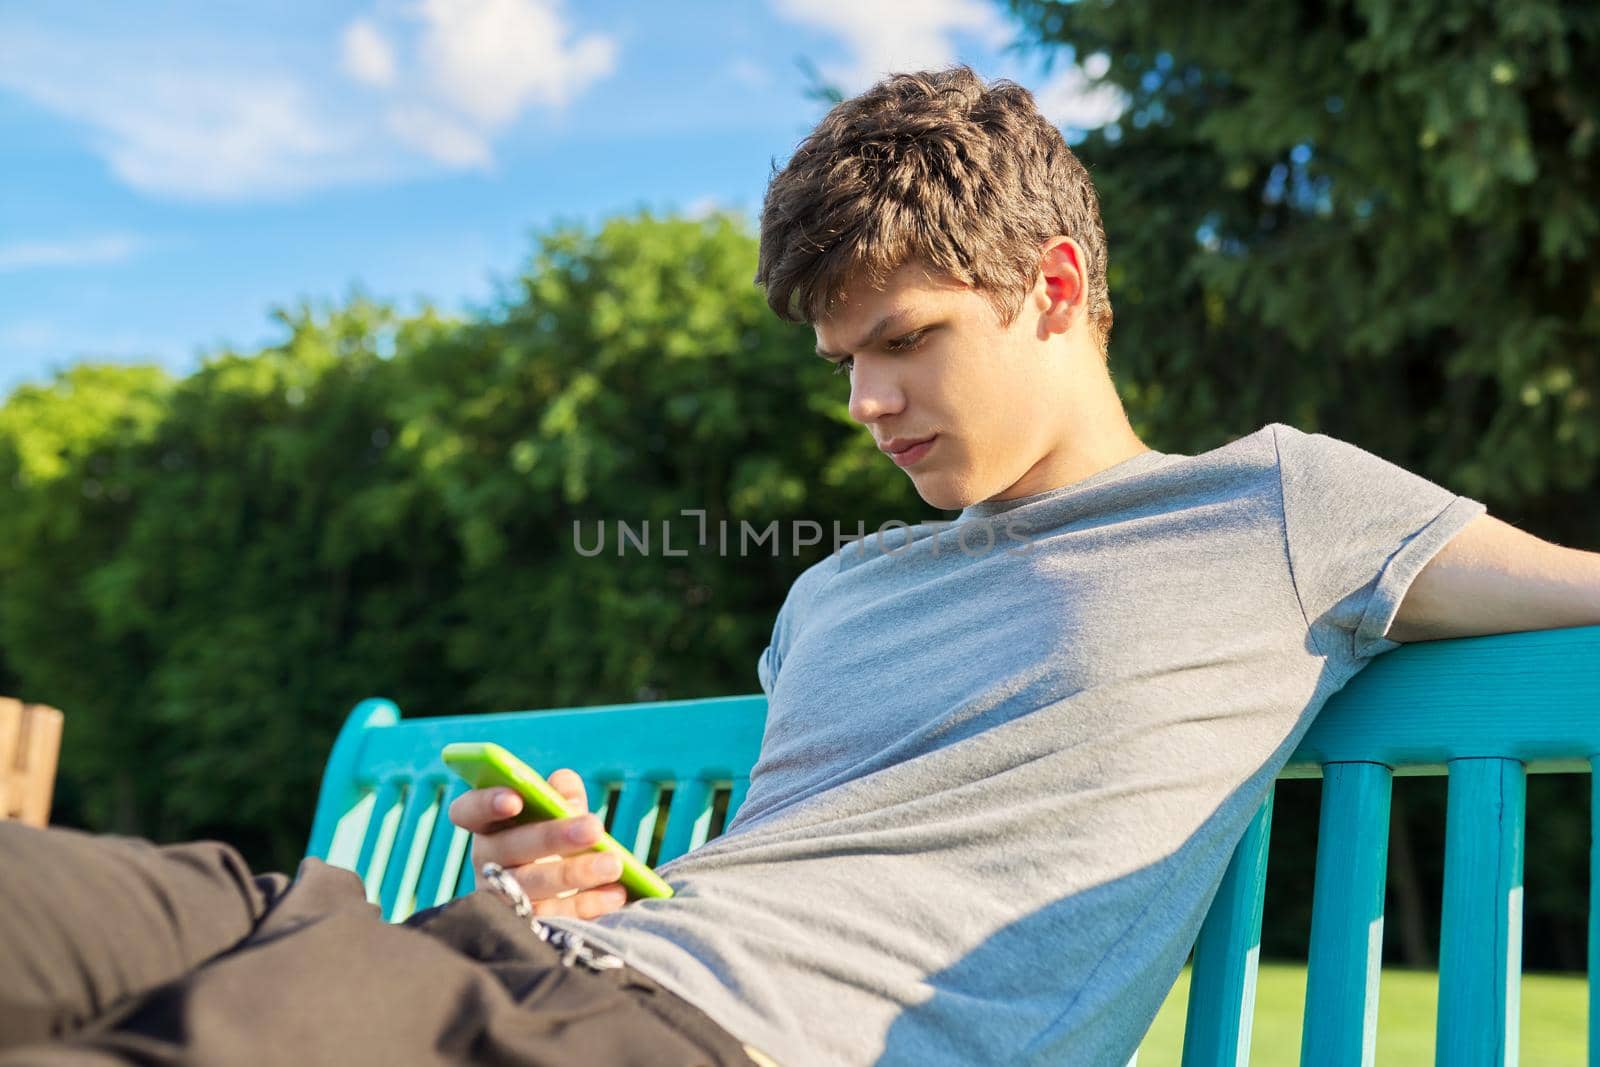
x,y
997,789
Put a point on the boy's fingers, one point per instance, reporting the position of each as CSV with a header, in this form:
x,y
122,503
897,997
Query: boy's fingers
x,y
486,810
593,903
517,845
569,783
481,810
550,878
588,904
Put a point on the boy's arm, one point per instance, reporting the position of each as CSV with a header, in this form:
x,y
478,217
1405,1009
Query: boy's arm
x,y
1493,578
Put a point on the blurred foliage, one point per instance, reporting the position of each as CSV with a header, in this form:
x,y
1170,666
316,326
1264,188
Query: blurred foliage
x,y
1377,220
208,573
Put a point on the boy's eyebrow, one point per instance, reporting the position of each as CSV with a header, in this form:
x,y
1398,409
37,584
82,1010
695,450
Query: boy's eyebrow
x,y
894,319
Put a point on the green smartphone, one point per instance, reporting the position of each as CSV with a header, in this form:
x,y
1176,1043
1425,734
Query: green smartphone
x,y
484,764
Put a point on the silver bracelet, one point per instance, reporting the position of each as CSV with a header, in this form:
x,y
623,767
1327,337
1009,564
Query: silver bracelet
x,y
572,946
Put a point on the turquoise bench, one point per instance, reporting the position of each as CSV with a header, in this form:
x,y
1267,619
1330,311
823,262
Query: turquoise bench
x,y
1487,711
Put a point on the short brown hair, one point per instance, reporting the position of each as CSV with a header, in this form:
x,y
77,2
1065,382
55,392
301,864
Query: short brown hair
x,y
932,166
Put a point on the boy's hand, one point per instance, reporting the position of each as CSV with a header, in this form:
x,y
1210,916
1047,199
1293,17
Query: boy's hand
x,y
552,859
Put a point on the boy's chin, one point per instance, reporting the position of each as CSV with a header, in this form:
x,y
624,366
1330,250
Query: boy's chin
x,y
940,494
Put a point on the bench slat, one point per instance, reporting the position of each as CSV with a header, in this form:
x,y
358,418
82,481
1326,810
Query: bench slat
x,y
688,819
466,880
447,847
599,794
1222,985
378,842
30,743
397,892
1480,935
635,819
1346,952
11,779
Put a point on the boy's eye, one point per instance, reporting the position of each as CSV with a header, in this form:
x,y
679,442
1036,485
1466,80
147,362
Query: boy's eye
x,y
900,344
906,343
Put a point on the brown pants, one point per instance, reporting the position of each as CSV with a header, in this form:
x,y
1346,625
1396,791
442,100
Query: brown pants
x,y
116,951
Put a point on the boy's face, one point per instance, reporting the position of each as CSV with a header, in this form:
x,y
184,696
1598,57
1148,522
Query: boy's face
x,y
970,409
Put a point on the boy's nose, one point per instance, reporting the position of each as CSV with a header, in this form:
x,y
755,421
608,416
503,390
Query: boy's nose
x,y
873,395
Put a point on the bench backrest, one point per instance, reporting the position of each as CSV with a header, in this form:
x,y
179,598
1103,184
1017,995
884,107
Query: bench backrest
x,y
1487,711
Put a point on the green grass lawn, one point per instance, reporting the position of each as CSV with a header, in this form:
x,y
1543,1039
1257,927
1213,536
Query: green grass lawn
x,y
1554,1019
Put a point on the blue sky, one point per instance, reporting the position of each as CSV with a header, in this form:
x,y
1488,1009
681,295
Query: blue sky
x,y
174,170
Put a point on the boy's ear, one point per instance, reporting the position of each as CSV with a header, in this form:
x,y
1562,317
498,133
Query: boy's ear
x,y
1064,281
1062,266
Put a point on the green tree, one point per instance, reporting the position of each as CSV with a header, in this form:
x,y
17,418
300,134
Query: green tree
x,y
66,501
207,574
635,374
1376,220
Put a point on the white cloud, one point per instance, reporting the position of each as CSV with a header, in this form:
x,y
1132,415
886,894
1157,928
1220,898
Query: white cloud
x,y
187,120
111,248
893,36
218,136
226,119
479,64
1072,99
440,136
367,54
490,58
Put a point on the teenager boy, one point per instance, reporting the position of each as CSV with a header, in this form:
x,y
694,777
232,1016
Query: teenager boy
x,y
1006,759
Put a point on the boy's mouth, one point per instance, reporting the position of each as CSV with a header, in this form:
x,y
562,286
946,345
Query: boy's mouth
x,y
908,450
